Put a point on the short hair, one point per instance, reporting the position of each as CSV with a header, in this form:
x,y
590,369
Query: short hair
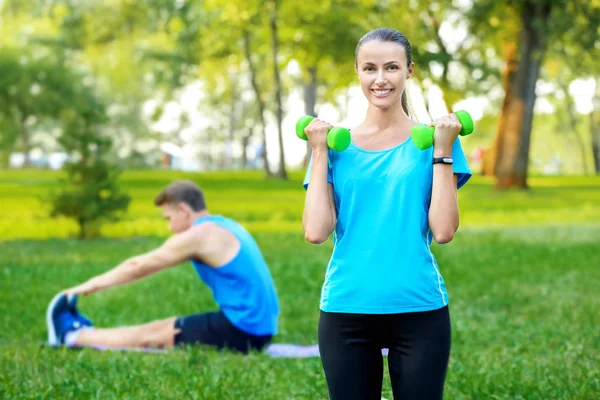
x,y
182,192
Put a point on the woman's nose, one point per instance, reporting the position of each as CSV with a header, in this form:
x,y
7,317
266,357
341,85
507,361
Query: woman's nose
x,y
380,81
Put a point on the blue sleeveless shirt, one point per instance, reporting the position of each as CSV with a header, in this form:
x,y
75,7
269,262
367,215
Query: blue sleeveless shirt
x,y
242,288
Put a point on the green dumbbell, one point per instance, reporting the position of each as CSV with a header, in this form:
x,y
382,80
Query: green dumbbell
x,y
422,135
338,139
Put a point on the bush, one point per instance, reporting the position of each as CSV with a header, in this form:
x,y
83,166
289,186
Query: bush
x,y
90,194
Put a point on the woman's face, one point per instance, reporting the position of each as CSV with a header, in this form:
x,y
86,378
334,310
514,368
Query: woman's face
x,y
382,71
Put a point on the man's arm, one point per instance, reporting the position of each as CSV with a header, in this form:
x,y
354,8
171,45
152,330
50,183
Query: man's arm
x,y
178,248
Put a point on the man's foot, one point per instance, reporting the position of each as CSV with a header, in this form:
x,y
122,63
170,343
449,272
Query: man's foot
x,y
57,306
72,306
60,320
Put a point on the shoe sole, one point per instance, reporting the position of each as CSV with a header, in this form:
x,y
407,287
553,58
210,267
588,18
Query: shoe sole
x,y
52,339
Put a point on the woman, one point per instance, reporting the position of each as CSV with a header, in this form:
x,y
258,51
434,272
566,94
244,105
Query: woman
x,y
385,201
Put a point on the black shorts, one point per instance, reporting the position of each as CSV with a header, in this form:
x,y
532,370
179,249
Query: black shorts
x,y
214,329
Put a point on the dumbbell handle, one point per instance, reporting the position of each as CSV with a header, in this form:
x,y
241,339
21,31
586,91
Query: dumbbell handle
x,y
338,138
422,135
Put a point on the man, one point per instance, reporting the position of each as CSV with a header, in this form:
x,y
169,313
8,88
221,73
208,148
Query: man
x,y
226,258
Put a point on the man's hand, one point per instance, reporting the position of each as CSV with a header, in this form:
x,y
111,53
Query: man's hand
x,y
84,289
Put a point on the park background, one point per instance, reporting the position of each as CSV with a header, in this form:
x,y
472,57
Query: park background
x,y
103,103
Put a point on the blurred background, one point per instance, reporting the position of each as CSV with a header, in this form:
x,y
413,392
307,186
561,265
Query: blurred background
x,y
207,85
103,103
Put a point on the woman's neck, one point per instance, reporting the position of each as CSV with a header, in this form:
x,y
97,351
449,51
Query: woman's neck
x,y
377,119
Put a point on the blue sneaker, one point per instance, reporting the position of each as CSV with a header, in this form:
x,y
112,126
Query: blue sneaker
x,y
72,306
60,320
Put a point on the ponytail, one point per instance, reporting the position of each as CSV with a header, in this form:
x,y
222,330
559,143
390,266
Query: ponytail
x,y
404,101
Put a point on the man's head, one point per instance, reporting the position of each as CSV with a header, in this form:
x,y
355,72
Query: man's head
x,y
182,202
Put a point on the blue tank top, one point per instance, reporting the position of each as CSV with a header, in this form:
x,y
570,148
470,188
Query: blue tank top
x,y
242,288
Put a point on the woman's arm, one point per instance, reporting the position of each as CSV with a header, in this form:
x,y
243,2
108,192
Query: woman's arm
x,y
443,209
319,216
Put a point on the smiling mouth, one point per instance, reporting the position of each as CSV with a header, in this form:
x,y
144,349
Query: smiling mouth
x,y
381,93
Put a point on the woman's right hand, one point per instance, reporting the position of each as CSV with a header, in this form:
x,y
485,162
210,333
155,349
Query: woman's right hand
x,y
316,132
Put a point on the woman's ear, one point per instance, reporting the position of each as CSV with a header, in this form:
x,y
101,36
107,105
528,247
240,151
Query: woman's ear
x,y
411,69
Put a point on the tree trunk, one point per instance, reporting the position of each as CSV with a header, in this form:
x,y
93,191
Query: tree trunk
x,y
573,125
245,144
232,124
514,129
281,173
82,228
259,101
490,156
26,145
595,128
20,119
310,103
208,157
595,133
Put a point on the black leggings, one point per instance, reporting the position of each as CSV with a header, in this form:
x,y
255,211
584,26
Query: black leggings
x,y
351,352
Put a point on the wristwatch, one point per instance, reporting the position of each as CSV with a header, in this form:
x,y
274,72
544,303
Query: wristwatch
x,y
442,160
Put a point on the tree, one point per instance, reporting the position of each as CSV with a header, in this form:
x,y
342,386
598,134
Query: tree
x,y
321,37
530,27
595,127
31,90
248,43
233,112
258,95
273,21
90,194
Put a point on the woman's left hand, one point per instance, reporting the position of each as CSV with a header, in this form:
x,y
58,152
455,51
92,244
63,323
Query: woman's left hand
x,y
446,132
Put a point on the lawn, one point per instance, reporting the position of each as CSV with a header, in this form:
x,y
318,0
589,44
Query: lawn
x,y
521,274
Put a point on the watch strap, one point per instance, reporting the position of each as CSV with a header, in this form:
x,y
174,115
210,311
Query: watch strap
x,y
442,160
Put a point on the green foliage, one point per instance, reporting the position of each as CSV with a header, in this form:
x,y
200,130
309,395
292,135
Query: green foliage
x,y
33,89
90,194
138,50
571,33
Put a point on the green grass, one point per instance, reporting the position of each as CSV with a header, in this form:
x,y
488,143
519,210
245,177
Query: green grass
x,y
522,274
274,206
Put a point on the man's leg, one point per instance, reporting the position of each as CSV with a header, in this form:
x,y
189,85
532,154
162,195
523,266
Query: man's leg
x,y
156,334
66,326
